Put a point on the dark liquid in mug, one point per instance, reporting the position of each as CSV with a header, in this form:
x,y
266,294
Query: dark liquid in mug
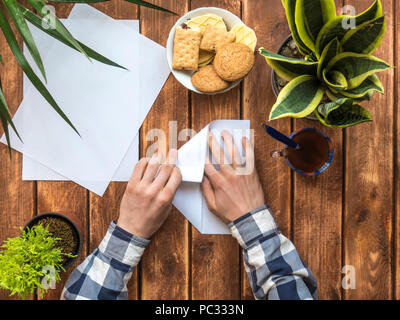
x,y
314,152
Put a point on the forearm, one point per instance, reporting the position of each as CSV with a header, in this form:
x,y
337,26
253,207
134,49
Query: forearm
x,y
104,274
274,268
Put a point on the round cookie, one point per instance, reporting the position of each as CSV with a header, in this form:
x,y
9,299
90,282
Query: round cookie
x,y
207,80
233,61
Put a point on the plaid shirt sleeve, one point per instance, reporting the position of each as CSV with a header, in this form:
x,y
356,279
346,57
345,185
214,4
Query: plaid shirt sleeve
x,y
103,275
273,266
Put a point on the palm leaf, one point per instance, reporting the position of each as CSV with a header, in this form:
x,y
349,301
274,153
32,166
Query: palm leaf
x,y
138,2
288,68
37,22
21,25
59,27
16,50
298,98
342,113
311,16
356,67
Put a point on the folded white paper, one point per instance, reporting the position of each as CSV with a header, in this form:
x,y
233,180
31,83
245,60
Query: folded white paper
x,y
191,161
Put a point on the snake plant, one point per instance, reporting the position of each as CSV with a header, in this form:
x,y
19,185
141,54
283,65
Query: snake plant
x,y
19,14
337,63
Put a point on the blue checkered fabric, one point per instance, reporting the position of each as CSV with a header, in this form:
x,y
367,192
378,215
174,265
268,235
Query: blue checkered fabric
x,y
272,263
273,266
103,275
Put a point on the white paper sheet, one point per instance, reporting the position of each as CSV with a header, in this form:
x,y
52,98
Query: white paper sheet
x,y
33,170
191,160
156,71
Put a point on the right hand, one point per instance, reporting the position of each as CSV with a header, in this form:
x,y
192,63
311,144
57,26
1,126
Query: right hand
x,y
235,189
149,194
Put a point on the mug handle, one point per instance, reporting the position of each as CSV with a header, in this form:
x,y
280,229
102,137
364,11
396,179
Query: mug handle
x,y
278,154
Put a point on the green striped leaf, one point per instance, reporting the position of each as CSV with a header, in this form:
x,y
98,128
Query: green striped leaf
x,y
37,22
298,98
335,28
372,83
374,11
333,96
335,79
365,38
16,50
290,7
288,68
311,16
330,51
342,114
356,67
22,27
39,5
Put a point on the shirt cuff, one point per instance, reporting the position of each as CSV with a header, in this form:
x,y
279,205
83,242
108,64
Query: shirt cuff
x,y
254,226
123,246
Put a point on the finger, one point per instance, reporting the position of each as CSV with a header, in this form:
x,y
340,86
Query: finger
x,y
152,168
139,170
166,170
231,149
173,183
208,193
249,152
217,153
212,174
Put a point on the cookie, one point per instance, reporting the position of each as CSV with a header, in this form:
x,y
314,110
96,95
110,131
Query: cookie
x,y
233,61
245,35
186,49
205,20
207,80
215,37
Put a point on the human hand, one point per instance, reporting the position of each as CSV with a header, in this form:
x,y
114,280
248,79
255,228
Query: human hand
x,y
147,199
235,189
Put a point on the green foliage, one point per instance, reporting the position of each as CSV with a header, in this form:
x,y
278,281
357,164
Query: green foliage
x,y
19,15
338,62
22,260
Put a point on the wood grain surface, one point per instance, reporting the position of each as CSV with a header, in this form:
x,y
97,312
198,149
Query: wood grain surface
x,y
349,215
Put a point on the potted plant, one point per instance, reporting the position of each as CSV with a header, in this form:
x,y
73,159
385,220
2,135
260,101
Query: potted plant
x,y
330,70
19,13
47,246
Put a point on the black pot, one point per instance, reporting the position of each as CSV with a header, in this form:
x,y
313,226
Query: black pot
x,y
274,76
78,236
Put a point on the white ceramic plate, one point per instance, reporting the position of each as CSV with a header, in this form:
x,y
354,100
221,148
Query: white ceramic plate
x,y
184,77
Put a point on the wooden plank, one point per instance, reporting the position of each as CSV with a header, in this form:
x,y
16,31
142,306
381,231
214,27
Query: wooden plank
x,y
210,252
165,263
369,184
17,197
269,23
317,215
102,210
396,49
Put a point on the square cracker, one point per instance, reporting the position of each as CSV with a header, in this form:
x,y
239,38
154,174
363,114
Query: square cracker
x,y
214,37
186,49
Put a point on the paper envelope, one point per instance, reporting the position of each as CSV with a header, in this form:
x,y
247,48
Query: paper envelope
x,y
191,161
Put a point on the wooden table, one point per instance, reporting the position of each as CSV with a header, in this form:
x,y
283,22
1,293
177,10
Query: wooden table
x,y
347,216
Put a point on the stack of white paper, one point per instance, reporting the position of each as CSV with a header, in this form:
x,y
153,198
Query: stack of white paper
x,y
107,105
